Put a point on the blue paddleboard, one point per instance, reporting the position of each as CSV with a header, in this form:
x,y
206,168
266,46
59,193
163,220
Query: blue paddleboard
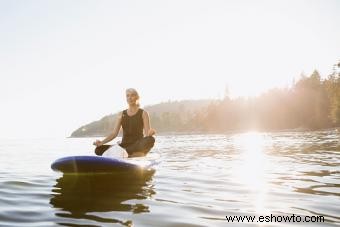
x,y
100,164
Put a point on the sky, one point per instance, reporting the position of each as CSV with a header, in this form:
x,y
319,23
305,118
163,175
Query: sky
x,y
66,63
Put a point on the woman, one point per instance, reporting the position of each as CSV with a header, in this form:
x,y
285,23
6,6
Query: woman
x,y
133,121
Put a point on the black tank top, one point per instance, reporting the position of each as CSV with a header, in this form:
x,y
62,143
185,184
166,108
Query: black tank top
x,y
132,128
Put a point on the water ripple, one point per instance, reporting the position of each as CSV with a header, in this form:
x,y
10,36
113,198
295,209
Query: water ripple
x,y
202,178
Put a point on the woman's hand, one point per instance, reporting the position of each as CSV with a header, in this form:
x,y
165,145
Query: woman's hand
x,y
151,132
97,143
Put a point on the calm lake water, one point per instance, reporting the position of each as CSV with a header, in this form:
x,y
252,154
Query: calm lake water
x,y
201,180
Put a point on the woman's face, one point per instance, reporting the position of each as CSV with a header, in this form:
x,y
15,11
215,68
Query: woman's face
x,y
131,98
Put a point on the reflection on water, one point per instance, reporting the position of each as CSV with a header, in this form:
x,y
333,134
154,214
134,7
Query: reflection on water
x,y
250,170
80,195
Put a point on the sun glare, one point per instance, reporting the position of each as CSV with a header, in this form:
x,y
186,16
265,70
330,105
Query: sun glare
x,y
251,170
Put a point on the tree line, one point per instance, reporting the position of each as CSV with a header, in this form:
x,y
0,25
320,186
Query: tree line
x,y
310,103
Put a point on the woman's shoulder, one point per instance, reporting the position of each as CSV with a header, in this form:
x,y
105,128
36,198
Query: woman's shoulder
x,y
144,112
121,113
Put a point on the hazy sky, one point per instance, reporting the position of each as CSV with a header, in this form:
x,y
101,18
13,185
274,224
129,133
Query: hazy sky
x,y
66,63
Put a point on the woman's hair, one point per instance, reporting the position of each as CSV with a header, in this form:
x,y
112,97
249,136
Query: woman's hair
x,y
135,92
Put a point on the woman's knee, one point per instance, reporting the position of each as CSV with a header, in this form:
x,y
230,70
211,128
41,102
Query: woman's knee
x,y
149,140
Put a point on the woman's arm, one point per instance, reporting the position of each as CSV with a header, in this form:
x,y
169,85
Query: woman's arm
x,y
113,134
148,131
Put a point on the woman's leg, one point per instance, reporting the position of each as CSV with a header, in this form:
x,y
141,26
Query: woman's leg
x,y
141,147
101,149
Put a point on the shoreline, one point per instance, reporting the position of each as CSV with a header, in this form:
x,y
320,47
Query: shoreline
x,y
337,129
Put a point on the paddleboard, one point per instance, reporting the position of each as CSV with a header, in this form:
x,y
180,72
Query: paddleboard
x,y
100,164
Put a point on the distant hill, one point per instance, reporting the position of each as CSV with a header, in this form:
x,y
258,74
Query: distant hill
x,y
311,103
165,117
